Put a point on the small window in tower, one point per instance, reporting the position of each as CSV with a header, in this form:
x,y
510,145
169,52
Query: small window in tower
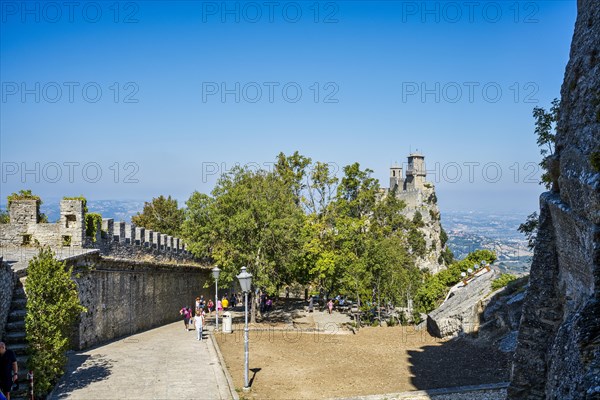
x,y
394,173
26,240
66,240
71,218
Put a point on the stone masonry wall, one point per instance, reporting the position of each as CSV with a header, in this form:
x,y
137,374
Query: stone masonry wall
x,y
125,297
7,284
558,346
115,239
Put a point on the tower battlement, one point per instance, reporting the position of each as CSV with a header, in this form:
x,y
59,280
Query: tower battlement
x,y
112,238
415,175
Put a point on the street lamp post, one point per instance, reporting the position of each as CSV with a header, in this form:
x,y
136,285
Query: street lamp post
x,y
216,271
245,279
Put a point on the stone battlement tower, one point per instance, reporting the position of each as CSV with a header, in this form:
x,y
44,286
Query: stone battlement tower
x,y
396,180
420,199
415,172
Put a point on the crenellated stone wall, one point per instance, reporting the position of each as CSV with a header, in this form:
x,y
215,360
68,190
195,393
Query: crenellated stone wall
x,y
558,345
115,239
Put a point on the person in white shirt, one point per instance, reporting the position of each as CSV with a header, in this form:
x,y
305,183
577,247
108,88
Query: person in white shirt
x,y
199,322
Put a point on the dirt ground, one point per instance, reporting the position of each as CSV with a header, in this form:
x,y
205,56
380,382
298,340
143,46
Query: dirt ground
x,y
288,363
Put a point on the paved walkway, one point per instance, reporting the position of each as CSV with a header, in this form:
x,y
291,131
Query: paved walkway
x,y
162,363
18,257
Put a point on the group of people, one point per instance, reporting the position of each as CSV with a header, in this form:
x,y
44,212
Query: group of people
x,y
266,303
195,319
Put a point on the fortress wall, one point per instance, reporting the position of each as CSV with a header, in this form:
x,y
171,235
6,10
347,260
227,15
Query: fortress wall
x,y
115,239
7,284
126,297
412,198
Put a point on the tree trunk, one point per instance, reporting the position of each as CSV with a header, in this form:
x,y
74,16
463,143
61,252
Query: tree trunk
x,y
252,308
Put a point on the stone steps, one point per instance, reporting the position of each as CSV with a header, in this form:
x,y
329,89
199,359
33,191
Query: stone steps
x,y
20,349
17,315
17,325
15,337
18,303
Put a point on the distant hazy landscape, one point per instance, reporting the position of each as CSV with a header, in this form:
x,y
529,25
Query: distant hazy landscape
x,y
467,230
471,230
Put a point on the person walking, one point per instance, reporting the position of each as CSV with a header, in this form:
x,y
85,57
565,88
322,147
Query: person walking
x,y
211,305
225,302
185,313
199,322
198,303
9,370
330,306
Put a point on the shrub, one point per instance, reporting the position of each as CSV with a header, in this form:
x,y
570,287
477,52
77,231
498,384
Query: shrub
x,y
4,217
435,287
52,309
502,281
417,242
443,237
93,221
418,220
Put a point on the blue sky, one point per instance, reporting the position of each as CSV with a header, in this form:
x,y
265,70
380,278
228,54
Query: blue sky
x,y
338,81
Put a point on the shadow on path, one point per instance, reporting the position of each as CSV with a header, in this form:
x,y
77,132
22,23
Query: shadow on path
x,y
459,362
82,371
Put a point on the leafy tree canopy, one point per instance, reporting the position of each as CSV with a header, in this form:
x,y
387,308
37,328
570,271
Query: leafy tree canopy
x,y
162,214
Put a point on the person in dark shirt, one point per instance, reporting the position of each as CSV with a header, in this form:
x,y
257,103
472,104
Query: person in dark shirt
x,y
9,370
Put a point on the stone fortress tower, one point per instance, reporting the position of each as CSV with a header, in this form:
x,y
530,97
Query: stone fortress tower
x,y
419,197
415,173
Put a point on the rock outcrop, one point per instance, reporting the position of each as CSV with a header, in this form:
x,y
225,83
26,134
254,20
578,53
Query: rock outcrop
x,y
420,201
460,312
558,345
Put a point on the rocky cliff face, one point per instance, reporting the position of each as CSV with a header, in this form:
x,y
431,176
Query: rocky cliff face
x,y
424,201
558,346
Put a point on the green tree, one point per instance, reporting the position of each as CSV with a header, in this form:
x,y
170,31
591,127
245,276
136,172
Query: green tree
x,y
52,309
545,130
292,170
321,189
198,227
255,222
162,214
529,229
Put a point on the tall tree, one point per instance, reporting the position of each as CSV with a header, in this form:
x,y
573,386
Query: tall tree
x,y
292,170
545,130
162,214
254,222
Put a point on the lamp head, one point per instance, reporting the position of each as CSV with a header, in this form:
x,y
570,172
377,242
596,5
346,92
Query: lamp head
x,y
245,279
215,272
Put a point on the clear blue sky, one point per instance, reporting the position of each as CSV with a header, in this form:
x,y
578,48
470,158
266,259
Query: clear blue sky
x,y
406,76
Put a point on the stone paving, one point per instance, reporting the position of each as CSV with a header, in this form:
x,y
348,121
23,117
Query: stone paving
x,y
162,363
18,257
